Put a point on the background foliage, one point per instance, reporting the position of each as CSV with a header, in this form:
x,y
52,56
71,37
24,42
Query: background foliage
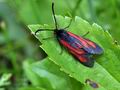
x,y
19,49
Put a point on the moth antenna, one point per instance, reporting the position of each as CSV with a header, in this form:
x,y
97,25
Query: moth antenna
x,y
54,16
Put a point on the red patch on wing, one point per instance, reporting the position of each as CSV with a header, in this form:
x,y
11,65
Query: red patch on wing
x,y
90,43
68,46
85,42
79,57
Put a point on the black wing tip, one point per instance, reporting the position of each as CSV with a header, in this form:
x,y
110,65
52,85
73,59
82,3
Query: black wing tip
x,y
89,63
97,51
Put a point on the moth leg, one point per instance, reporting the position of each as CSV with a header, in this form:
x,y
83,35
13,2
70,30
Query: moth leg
x,y
61,49
68,24
86,34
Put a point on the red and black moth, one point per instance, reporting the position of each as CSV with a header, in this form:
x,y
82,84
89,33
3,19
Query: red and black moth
x,y
81,48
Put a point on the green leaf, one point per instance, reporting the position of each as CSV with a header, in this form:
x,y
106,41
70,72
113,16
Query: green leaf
x,y
4,80
48,75
31,88
106,69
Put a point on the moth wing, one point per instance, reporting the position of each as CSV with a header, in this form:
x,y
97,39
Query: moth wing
x,y
73,47
76,49
85,59
92,47
88,45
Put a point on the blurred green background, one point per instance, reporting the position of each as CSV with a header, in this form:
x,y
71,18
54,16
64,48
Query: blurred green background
x,y
17,44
